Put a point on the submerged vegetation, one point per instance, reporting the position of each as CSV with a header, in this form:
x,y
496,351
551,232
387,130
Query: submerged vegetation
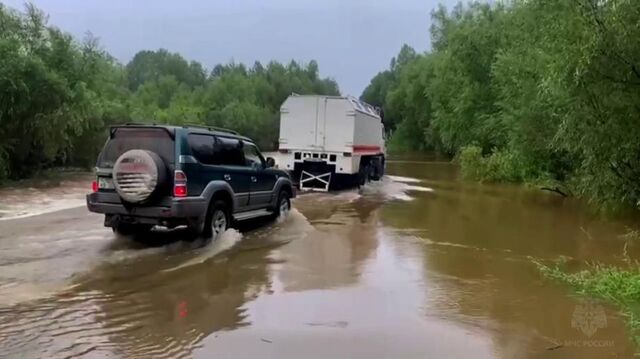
x,y
525,91
58,95
615,285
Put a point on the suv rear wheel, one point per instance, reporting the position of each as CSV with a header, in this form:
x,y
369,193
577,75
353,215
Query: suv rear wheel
x,y
217,221
283,206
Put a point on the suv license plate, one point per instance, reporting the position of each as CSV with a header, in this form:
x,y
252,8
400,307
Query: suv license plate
x,y
105,183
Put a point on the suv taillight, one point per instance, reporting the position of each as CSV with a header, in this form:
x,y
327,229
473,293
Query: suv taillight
x,y
179,184
94,186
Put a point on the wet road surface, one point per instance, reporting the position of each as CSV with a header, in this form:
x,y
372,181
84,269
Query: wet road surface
x,y
418,266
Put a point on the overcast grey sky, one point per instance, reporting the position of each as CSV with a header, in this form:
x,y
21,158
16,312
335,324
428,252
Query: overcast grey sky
x,y
351,39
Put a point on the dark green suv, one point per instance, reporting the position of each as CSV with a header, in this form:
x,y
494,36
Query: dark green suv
x,y
201,177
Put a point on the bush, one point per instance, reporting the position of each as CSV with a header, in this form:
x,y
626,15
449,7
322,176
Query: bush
x,y
499,166
472,163
407,138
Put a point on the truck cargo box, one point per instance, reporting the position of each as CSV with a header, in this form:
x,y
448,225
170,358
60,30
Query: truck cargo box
x,y
330,124
324,136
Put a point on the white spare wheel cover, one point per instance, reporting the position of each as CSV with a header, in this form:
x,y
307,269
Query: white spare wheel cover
x,y
135,175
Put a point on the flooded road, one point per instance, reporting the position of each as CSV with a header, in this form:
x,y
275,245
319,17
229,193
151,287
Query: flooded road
x,y
418,266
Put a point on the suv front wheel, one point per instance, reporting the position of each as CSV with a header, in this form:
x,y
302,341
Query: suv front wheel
x,y
217,221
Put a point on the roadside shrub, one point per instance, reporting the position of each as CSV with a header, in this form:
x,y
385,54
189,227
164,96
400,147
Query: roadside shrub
x,y
505,166
408,137
472,163
499,166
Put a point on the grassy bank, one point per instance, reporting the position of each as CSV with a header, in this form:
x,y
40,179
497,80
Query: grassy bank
x,y
619,286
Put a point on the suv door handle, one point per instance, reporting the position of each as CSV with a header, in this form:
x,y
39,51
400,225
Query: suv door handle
x,y
254,179
227,177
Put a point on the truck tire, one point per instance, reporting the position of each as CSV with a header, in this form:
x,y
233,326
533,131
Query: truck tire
x,y
137,175
217,220
364,175
378,168
283,205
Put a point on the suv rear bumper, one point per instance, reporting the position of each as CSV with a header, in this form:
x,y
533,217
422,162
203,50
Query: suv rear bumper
x,y
181,210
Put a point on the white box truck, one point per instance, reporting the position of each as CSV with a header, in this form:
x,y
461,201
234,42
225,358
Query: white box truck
x,y
330,141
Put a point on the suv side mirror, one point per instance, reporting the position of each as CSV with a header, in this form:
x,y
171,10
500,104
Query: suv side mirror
x,y
270,162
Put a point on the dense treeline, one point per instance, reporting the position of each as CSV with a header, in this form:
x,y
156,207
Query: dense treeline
x,y
535,91
58,96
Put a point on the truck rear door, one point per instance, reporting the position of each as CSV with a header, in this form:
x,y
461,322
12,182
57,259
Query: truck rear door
x,y
302,123
338,126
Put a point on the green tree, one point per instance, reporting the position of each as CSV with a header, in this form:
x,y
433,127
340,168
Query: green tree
x,y
536,91
58,95
153,65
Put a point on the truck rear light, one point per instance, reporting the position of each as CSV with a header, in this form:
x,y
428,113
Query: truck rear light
x,y
179,184
94,186
346,154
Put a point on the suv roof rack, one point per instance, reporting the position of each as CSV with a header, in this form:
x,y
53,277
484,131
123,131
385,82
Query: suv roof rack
x,y
139,124
188,125
212,128
113,128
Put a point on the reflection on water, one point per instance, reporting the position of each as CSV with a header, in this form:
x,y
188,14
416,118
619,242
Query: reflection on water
x,y
476,245
419,265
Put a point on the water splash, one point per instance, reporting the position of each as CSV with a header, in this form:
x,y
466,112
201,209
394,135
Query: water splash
x,y
223,243
394,187
286,228
418,188
403,179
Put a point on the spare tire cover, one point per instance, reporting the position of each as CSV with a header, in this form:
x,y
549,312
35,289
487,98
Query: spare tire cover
x,y
137,174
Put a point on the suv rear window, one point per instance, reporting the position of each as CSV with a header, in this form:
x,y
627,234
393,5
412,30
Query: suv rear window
x,y
228,151
202,148
212,150
124,139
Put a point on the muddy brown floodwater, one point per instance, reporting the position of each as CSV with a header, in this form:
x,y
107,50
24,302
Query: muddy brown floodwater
x,y
421,265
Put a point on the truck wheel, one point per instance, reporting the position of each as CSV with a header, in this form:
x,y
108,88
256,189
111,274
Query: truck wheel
x,y
364,175
283,206
378,169
128,229
217,220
